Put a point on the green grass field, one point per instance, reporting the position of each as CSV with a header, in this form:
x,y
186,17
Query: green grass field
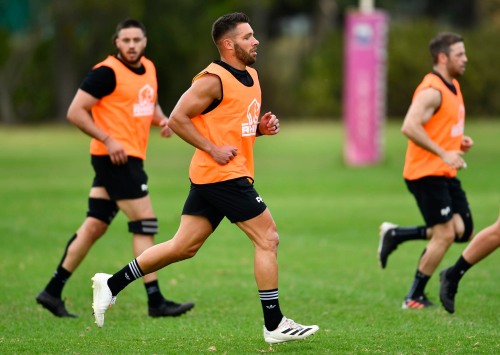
x,y
327,215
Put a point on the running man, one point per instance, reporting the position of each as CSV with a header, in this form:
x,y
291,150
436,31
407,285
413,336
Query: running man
x,y
434,125
219,116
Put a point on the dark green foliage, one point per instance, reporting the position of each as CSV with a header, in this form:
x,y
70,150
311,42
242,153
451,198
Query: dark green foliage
x,y
407,63
301,74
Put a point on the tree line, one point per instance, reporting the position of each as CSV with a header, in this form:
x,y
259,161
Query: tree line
x,y
48,46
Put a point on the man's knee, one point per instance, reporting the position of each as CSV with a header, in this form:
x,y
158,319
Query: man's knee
x,y
102,209
443,234
275,238
272,240
94,228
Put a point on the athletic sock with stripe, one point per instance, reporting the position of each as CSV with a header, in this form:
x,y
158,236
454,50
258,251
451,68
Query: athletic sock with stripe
x,y
124,277
271,308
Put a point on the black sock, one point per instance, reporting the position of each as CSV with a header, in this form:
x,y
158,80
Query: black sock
x,y
418,286
57,282
271,308
155,298
455,273
404,234
124,277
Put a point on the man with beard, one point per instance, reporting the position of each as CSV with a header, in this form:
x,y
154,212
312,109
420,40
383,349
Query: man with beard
x,y
116,105
434,125
219,116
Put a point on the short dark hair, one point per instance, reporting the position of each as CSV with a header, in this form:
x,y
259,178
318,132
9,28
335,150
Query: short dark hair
x,y
442,43
128,23
227,23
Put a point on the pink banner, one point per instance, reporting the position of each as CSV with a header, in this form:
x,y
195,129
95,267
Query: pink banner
x,y
365,52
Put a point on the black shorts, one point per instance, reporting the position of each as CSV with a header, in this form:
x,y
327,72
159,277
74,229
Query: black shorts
x,y
122,182
235,199
438,198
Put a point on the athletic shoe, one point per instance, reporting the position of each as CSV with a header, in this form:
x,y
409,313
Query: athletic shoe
x,y
103,299
419,302
447,291
387,243
170,309
54,305
288,330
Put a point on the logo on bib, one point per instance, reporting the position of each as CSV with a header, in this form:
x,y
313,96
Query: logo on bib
x,y
146,105
249,128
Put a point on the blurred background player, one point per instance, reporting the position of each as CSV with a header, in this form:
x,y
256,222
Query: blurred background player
x,y
121,94
434,125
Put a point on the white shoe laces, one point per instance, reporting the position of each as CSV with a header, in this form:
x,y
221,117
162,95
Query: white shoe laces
x,y
291,324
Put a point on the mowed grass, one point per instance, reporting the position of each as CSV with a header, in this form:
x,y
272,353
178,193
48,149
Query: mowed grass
x,y
327,215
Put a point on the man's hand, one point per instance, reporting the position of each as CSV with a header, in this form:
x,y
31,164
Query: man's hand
x,y
269,124
467,144
224,154
116,151
454,159
165,129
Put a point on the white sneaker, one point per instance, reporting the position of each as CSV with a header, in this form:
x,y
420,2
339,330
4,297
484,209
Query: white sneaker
x,y
288,330
103,299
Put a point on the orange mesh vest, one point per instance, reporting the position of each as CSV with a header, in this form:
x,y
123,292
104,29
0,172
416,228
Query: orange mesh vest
x,y
127,112
446,128
233,122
